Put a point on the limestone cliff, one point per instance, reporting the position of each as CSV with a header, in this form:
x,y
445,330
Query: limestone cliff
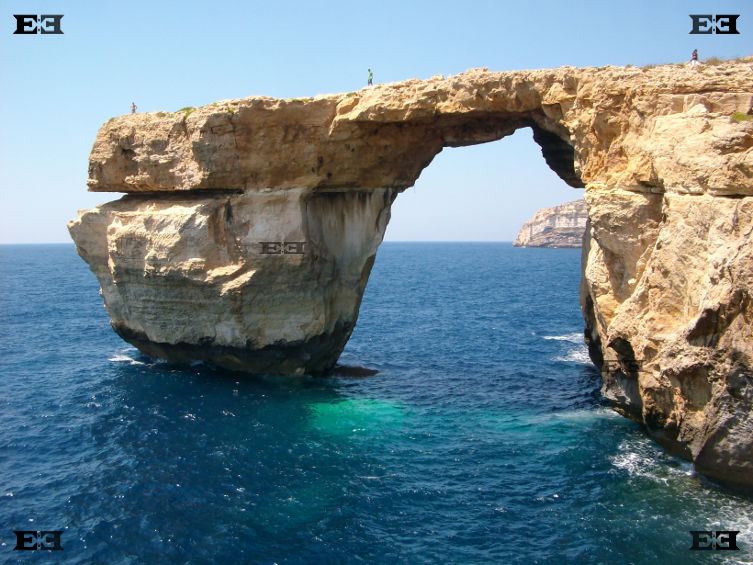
x,y
258,220
255,281
559,226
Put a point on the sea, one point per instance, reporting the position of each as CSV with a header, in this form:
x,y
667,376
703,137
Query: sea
x,y
482,438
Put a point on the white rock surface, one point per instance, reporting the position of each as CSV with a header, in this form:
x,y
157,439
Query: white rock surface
x,y
185,277
559,226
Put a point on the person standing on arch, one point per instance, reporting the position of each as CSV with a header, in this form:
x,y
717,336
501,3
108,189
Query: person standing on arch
x,y
694,58
371,78
133,107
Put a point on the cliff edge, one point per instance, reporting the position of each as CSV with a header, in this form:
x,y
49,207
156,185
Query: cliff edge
x,y
252,226
559,226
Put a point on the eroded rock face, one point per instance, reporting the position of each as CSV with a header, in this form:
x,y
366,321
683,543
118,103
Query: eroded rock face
x,y
667,298
666,259
559,226
665,127
264,282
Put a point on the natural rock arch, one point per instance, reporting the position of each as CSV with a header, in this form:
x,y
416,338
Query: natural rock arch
x,y
253,225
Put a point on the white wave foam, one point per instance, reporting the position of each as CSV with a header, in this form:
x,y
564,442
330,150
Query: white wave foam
x,y
641,458
577,355
575,337
635,464
587,414
580,418
120,358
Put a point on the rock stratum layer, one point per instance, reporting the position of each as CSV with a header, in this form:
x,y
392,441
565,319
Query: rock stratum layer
x,y
559,226
256,223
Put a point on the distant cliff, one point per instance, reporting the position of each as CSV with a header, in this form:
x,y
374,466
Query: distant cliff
x,y
558,226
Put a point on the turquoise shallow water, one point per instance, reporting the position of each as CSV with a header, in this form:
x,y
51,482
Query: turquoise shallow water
x,y
481,440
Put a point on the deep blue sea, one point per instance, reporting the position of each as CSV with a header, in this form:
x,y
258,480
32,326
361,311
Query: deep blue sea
x,y
482,439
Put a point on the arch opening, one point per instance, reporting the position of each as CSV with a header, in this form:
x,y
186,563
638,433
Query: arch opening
x,y
465,130
488,191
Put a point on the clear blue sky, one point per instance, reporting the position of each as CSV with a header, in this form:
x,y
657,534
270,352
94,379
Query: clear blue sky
x,y
57,90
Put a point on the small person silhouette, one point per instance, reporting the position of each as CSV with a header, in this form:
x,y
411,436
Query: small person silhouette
x,y
694,58
133,107
371,78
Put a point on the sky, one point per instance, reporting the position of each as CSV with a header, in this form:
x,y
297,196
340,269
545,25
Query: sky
x,y
57,90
